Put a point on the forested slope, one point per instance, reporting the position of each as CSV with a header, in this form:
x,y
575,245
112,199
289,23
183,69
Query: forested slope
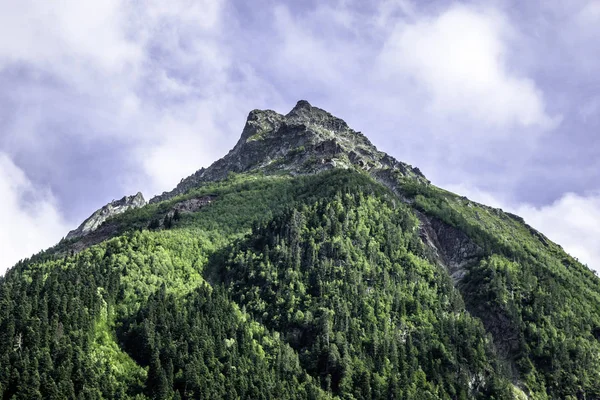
x,y
541,305
134,316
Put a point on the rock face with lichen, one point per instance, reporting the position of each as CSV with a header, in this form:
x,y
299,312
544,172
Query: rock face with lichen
x,y
305,141
111,209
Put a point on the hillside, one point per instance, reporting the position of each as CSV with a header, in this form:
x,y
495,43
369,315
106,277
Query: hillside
x,y
303,264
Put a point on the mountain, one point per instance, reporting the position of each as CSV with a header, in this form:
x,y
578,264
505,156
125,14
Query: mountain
x,y
303,264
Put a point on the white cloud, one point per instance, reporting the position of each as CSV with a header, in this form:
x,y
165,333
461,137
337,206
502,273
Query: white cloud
x,y
71,34
460,57
173,82
436,86
161,82
203,14
589,14
185,140
572,221
30,219
589,111
307,56
147,75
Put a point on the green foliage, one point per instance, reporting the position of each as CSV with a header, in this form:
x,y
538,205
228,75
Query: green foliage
x,y
312,286
203,346
541,305
343,282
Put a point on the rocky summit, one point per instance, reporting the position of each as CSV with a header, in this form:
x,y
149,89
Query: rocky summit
x,y
305,264
113,208
305,141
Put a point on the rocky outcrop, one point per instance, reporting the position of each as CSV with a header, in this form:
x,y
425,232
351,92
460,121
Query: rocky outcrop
x,y
194,204
306,140
451,247
111,209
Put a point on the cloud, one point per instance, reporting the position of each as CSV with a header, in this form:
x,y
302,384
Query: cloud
x,y
572,221
438,85
69,36
29,215
320,51
590,111
589,14
132,95
189,136
128,96
147,76
460,57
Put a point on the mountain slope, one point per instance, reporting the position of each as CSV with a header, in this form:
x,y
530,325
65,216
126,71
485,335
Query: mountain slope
x,y
304,264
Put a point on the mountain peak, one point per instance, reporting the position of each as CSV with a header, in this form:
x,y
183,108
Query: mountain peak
x,y
302,109
305,113
306,140
302,104
113,208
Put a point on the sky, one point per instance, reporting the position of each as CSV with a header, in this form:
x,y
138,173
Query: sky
x,y
496,100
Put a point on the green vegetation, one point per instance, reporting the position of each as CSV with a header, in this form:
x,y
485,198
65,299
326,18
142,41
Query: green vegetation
x,y
343,281
300,287
542,306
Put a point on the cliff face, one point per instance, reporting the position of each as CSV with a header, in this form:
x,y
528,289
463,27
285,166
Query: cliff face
x,y
450,247
113,208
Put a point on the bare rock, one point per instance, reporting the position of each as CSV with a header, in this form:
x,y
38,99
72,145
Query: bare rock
x,y
305,141
113,208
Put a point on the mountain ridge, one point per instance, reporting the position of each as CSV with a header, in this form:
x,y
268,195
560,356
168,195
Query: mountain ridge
x,y
309,140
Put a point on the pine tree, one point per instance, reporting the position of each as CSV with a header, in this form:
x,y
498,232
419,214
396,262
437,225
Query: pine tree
x,y
157,384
